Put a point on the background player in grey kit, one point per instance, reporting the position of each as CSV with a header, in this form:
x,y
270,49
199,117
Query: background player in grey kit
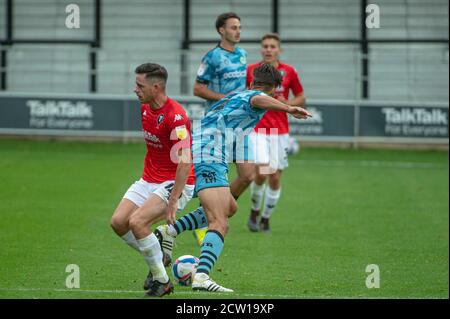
x,y
221,72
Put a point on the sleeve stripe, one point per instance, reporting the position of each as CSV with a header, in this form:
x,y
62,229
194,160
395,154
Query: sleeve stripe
x,y
201,81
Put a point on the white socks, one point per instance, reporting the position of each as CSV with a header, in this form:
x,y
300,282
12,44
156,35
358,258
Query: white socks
x,y
272,197
257,193
131,240
153,256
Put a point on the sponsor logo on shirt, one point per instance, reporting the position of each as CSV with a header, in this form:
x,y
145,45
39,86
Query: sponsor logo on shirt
x,y
151,137
235,74
209,177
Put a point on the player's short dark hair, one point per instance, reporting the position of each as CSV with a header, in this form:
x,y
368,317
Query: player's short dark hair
x,y
267,76
274,36
222,19
152,71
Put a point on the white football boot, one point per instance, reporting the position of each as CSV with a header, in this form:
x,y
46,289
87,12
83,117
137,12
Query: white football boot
x,y
166,241
202,282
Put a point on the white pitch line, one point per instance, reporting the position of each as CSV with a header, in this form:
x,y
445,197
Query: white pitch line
x,y
142,291
221,294
377,164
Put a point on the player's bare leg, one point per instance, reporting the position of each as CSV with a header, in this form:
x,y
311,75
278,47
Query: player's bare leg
x,y
120,222
141,220
195,220
245,176
218,204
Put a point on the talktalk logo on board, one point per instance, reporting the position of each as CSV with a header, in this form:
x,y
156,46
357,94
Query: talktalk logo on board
x,y
421,116
67,109
64,115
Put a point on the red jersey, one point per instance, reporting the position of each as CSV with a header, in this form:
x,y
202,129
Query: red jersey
x,y
277,119
166,130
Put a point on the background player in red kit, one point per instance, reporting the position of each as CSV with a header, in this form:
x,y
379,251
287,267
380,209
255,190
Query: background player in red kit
x,y
167,182
272,135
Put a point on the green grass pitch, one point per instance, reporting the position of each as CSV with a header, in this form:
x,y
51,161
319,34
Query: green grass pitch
x,y
340,211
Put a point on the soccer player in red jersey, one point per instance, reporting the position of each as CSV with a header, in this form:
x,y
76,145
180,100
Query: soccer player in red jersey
x,y
271,136
168,179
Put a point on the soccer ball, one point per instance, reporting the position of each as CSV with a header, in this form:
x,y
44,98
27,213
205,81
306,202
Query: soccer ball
x,y
293,146
184,269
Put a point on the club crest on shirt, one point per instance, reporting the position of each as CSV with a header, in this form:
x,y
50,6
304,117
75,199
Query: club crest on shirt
x,y
160,119
243,60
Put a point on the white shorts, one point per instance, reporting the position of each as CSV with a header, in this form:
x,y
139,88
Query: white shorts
x,y
270,149
141,190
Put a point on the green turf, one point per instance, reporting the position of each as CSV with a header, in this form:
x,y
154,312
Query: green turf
x,y
340,211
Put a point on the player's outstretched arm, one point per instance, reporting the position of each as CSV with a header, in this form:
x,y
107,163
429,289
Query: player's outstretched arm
x,y
182,174
269,103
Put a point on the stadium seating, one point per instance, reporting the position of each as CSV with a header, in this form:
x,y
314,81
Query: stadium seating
x,y
141,31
